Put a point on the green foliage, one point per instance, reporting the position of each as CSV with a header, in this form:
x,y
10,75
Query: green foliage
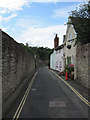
x,y
65,69
83,11
68,60
27,45
68,69
40,52
80,18
43,53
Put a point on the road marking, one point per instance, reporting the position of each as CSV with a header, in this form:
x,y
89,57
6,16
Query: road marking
x,y
76,92
20,107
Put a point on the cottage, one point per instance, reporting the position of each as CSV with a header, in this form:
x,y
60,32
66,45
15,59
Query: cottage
x,y
56,57
59,58
69,50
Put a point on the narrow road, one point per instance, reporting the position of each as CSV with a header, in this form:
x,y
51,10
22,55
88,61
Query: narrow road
x,y
50,97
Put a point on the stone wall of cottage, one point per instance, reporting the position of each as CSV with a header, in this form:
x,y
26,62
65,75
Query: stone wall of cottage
x,y
17,64
82,62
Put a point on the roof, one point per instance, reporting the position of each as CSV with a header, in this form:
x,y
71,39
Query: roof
x,y
59,47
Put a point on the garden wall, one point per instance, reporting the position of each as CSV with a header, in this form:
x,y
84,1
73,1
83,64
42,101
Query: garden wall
x,y
0,74
82,62
17,64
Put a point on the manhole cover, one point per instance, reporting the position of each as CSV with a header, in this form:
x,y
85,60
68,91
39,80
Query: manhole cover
x,y
57,104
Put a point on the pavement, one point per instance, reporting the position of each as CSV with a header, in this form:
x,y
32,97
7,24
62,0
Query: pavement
x,y
49,97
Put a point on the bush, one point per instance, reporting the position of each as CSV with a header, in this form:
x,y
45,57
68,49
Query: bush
x,y
70,68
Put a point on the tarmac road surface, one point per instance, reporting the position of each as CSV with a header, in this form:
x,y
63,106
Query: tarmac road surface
x,y
49,97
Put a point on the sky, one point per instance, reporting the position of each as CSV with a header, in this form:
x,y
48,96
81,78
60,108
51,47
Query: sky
x,y
36,21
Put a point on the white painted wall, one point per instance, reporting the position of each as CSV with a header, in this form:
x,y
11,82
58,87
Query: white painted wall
x,y
59,60
70,34
52,60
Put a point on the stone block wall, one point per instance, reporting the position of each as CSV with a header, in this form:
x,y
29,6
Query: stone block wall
x,y
0,74
17,63
82,62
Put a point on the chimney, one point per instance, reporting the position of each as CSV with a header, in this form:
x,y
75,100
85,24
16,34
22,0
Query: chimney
x,y
56,41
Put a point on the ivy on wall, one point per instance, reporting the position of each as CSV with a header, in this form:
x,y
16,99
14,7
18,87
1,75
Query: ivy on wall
x,y
68,60
80,18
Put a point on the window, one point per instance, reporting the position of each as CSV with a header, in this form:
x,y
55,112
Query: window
x,y
65,61
57,64
68,60
60,65
73,59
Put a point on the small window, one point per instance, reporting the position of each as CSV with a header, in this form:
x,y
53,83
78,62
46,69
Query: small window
x,y
73,59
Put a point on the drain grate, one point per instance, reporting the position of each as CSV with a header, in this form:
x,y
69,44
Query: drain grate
x,y
57,104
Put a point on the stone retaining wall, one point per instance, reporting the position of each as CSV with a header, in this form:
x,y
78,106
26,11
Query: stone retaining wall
x,y
17,64
0,74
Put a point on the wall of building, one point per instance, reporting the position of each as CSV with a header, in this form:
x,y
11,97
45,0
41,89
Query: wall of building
x,y
59,60
0,74
72,51
53,60
17,64
82,62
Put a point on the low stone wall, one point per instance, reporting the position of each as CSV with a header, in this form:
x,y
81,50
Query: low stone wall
x,y
17,64
82,62
0,74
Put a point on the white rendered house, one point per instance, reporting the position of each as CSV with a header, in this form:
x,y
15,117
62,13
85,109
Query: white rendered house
x,y
59,58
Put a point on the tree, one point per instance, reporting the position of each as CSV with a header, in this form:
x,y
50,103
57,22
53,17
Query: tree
x,y
83,11
80,18
27,45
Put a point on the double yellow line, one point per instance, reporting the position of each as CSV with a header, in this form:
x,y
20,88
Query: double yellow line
x,y
76,92
20,107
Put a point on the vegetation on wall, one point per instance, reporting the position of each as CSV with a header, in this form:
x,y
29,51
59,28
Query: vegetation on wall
x,y
68,60
83,11
40,52
80,18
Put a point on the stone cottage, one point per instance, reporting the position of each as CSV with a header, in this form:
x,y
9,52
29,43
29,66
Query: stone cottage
x,y
82,27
